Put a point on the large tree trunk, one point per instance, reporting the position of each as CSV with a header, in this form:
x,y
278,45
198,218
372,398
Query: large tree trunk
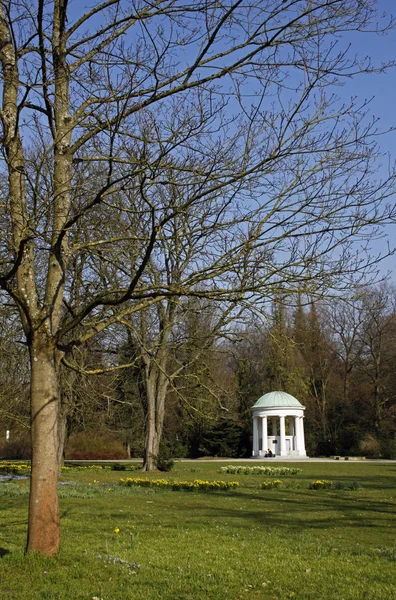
x,y
44,525
151,447
156,394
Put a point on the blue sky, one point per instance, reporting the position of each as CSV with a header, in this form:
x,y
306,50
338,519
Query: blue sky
x,y
382,88
381,48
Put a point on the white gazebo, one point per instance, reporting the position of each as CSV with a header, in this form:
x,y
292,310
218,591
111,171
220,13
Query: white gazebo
x,y
287,439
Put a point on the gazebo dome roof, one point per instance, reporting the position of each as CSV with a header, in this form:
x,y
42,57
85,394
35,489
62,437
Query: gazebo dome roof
x,y
277,400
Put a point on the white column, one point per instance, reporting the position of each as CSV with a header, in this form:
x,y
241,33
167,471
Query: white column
x,y
292,433
264,435
302,438
255,437
260,435
274,433
282,436
298,434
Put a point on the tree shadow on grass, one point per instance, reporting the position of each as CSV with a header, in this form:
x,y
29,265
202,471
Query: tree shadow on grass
x,y
12,523
297,513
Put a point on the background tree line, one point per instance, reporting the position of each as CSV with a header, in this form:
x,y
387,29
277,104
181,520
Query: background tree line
x,y
336,356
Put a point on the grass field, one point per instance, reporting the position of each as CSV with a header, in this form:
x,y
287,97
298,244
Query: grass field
x,y
243,543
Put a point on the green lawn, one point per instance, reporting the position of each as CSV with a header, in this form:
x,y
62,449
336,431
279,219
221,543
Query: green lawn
x,y
242,543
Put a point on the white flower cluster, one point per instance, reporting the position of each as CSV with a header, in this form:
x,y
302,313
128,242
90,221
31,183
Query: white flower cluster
x,y
274,471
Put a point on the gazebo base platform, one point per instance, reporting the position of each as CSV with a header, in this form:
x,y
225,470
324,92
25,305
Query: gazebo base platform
x,y
278,457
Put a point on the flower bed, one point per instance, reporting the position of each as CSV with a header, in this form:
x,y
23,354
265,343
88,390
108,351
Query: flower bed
x,y
14,468
320,484
268,485
86,467
179,485
274,471
17,468
326,484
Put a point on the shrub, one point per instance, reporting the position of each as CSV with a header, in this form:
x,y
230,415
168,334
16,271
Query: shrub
x,y
370,446
389,449
351,486
387,440
118,467
17,449
104,454
164,461
164,464
88,446
127,467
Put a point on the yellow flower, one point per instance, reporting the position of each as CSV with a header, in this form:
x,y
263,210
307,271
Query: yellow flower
x,y
116,530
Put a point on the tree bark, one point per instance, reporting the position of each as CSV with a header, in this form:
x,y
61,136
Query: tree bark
x,y
156,395
44,523
151,447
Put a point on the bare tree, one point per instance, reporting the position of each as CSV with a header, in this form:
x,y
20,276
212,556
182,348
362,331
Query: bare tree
x,y
103,110
186,247
377,335
159,348
344,319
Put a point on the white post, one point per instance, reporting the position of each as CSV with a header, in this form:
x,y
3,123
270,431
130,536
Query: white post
x,y
282,436
255,437
264,435
8,435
